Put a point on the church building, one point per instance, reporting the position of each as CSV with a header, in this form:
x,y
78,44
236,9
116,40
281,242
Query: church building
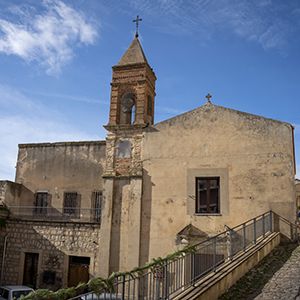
x,y
83,209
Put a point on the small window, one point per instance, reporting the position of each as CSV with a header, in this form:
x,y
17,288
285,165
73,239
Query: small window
x,y
124,149
41,203
71,205
96,206
207,195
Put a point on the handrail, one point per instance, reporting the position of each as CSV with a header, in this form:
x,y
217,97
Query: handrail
x,y
285,219
50,213
170,275
293,234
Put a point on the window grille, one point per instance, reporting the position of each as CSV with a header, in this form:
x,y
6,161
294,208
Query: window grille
x,y
41,203
71,206
96,205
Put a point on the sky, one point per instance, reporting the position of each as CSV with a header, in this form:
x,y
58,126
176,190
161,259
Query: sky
x,y
56,58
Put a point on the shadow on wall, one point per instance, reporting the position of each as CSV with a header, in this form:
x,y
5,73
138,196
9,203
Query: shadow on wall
x,y
146,217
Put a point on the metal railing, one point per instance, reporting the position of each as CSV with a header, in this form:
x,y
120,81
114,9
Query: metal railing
x,y
65,214
169,277
289,231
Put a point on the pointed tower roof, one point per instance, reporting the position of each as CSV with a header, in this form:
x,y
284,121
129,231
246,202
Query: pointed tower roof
x,y
133,55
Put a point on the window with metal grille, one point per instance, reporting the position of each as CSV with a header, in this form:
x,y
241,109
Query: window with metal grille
x,y
207,195
96,206
71,206
41,203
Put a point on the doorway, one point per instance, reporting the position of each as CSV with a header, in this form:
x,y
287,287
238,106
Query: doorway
x,y
30,269
78,270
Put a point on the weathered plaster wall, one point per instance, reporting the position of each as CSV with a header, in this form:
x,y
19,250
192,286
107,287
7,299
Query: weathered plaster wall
x,y
253,156
13,194
62,167
49,240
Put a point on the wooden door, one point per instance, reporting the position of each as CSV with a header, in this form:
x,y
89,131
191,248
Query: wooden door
x,y
30,269
78,270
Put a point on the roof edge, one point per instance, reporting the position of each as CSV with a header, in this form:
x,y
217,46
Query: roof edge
x,y
54,144
228,109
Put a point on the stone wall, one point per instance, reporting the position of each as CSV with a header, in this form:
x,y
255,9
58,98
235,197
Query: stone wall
x,y
15,194
62,167
252,156
54,242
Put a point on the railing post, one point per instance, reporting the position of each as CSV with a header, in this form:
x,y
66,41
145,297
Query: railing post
x,y
254,230
229,243
263,224
193,267
123,287
271,221
214,254
244,237
166,287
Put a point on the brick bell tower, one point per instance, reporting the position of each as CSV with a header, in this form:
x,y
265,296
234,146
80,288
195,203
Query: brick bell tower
x,y
131,113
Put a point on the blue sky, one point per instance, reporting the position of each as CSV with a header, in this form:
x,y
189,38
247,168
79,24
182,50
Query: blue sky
x,y
56,59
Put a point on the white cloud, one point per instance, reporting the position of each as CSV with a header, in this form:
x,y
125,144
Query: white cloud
x,y
47,37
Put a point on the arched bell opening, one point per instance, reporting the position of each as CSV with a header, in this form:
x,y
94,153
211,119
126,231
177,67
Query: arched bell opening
x,y
128,109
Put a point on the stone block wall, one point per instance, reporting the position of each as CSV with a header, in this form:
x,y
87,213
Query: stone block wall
x,y
54,242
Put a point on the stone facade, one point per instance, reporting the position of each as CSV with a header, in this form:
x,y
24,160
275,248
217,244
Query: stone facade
x,y
149,179
62,167
252,156
54,243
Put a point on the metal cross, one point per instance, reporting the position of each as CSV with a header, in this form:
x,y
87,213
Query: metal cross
x,y
208,96
136,21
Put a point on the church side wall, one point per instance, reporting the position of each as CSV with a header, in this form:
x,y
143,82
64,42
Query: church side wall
x,y
252,156
54,243
62,167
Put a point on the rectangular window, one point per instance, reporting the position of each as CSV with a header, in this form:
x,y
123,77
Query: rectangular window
x,y
71,204
41,203
207,195
96,206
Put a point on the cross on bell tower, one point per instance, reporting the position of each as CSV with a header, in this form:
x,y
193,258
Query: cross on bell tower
x,y
136,21
132,89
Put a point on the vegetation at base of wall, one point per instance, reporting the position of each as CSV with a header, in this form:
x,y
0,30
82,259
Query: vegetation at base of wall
x,y
99,285
251,284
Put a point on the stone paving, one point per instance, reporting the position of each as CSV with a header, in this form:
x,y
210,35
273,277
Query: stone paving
x,y
285,284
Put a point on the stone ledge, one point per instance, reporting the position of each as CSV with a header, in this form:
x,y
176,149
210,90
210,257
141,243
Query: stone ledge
x,y
57,144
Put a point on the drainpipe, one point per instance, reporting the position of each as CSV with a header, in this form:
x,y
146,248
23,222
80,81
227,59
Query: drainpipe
x,y
3,257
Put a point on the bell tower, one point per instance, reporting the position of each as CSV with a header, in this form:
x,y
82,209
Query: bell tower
x,y
131,113
132,91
